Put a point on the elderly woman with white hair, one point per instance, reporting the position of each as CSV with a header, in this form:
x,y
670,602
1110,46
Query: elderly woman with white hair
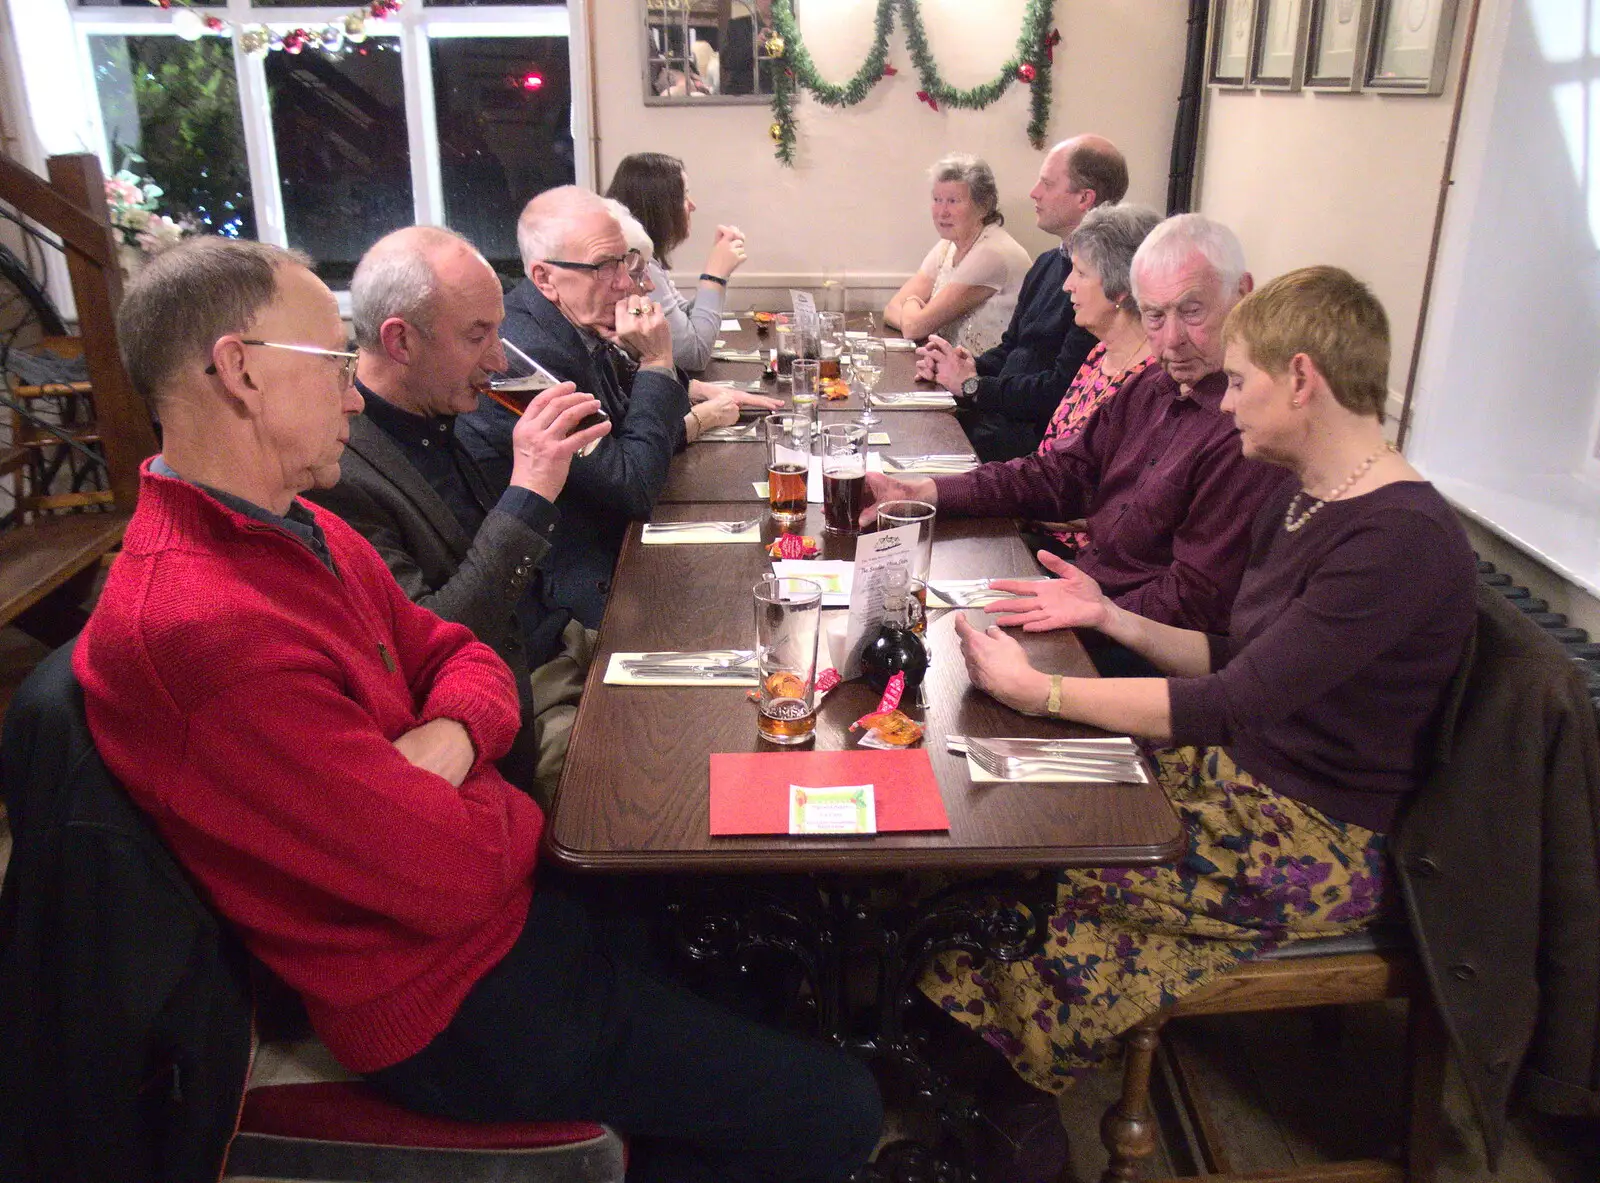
x,y
966,289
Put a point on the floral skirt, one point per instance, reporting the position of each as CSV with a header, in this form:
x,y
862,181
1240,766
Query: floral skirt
x,y
1260,870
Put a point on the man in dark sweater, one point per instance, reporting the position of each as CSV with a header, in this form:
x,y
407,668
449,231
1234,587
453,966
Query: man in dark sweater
x,y
1009,392
572,313
427,312
1158,472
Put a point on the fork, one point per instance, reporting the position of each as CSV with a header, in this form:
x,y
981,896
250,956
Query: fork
x,y
725,527
1011,767
742,432
706,673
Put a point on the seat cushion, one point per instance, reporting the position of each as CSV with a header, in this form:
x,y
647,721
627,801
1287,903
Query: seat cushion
x,y
348,1111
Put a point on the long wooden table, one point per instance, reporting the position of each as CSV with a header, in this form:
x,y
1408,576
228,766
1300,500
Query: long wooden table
x,y
634,796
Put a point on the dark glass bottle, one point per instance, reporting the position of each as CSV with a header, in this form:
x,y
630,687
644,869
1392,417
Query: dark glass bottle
x,y
893,647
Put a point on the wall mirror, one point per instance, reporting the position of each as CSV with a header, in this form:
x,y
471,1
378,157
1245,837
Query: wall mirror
x,y
707,51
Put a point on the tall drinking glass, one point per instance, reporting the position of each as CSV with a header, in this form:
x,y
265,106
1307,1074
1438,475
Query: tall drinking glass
x,y
788,347
844,476
866,370
803,386
893,514
831,345
788,624
788,465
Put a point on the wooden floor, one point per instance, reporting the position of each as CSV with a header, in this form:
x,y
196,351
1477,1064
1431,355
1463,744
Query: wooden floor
x,y
1257,1072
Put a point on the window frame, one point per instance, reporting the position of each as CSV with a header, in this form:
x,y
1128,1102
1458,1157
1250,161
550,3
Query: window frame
x,y
415,26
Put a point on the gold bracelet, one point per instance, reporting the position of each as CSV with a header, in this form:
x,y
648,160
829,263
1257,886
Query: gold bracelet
x,y
1052,705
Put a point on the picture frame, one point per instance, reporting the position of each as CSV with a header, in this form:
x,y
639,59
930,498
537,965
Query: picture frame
x,y
1233,24
1410,46
1338,34
1277,52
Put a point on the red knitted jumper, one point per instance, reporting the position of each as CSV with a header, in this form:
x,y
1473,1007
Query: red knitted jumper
x,y
248,698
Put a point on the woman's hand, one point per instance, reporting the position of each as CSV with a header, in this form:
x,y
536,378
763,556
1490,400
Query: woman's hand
x,y
1072,600
700,391
727,253
997,665
718,411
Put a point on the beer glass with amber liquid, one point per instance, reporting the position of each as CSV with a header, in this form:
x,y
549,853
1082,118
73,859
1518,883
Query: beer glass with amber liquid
x,y
788,465
788,625
831,344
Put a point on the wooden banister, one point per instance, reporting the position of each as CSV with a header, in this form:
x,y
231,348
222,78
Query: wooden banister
x,y
73,205
123,419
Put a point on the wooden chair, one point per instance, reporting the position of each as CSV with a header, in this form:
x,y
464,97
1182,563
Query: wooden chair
x,y
1338,971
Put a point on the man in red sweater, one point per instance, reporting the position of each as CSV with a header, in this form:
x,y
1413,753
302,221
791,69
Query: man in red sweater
x,y
319,752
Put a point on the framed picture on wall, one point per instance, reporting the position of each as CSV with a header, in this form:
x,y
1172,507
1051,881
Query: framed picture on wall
x,y
1410,51
1336,43
1277,60
1233,24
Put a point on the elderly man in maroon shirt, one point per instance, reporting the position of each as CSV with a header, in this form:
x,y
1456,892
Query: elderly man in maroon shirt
x,y
1158,472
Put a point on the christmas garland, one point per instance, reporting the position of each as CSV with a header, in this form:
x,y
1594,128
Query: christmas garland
x,y
258,40
793,68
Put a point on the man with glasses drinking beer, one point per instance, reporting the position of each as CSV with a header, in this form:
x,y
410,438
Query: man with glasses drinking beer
x,y
318,752
427,311
577,312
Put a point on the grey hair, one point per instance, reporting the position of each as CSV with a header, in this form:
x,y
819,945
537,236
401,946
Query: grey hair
x,y
548,220
1174,240
1107,239
396,278
978,177
633,231
185,298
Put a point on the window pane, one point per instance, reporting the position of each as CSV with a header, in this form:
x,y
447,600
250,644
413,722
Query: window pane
x,y
339,123
176,104
143,3
504,108
491,3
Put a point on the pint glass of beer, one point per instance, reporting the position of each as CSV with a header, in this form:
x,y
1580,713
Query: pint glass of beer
x,y
844,476
788,624
788,465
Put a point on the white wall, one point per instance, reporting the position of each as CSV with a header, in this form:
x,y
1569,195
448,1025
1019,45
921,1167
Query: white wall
x,y
857,201
1348,179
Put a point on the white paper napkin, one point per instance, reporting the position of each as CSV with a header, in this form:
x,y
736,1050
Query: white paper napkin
x,y
835,576
702,537
880,438
616,675
972,593
980,776
936,467
729,325
915,400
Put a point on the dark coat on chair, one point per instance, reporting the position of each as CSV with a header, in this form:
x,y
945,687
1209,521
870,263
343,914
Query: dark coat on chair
x,y
1499,861
476,581
125,1028
617,484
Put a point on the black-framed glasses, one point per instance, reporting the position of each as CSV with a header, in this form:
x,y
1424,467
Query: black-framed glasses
x,y
347,361
632,262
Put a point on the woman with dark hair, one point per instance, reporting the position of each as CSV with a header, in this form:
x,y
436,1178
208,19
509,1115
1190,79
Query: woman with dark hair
x,y
655,188
966,289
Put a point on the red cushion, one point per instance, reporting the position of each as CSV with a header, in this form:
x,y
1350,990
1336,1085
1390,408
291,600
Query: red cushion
x,y
348,1111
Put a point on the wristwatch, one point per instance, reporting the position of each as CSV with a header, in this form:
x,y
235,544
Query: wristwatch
x,y
969,387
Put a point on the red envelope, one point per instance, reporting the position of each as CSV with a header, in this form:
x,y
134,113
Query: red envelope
x,y
750,790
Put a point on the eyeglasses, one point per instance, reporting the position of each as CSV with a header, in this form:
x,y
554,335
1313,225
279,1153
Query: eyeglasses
x,y
347,361
632,262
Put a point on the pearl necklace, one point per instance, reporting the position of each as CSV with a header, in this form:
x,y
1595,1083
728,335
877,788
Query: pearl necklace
x,y
1291,523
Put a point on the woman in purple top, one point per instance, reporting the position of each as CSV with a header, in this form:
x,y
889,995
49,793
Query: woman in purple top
x,y
1294,740
1101,288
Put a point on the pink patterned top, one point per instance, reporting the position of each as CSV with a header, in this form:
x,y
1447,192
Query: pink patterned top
x,y
1089,389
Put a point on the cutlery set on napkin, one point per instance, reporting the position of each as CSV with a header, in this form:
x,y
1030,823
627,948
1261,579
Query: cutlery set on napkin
x,y
1112,760
727,667
922,400
935,462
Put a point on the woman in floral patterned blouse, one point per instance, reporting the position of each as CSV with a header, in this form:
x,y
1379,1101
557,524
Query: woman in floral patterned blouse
x,y
1102,251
